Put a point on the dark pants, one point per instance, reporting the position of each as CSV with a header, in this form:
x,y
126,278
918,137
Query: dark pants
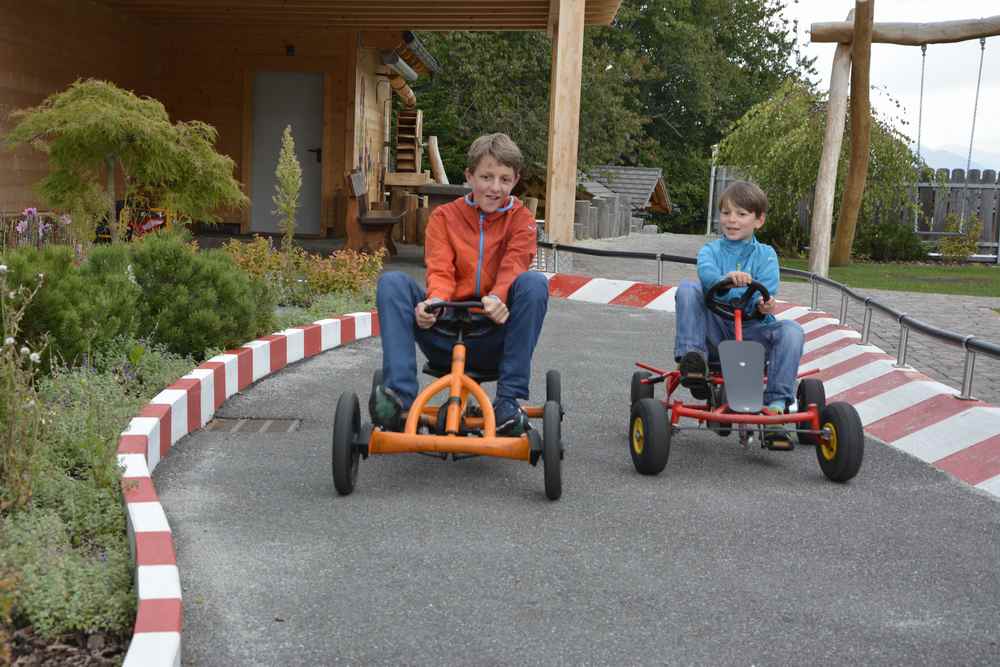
x,y
507,348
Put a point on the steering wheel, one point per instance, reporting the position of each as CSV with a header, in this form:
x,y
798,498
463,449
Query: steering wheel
x,y
457,316
726,309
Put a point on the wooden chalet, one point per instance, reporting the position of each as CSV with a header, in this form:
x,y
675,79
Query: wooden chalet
x,y
249,67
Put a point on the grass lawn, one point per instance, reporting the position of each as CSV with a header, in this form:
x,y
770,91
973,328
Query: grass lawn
x,y
963,279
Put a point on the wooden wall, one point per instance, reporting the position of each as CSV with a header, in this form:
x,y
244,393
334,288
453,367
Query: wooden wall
x,y
44,46
199,73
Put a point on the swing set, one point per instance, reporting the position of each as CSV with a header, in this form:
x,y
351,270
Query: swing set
x,y
852,62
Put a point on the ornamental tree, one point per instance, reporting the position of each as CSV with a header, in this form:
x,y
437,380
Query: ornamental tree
x,y
96,134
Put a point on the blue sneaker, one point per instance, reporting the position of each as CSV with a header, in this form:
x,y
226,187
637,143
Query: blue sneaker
x,y
511,420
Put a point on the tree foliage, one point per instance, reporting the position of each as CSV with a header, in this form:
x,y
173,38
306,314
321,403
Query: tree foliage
x,y
660,86
94,125
778,144
499,82
288,182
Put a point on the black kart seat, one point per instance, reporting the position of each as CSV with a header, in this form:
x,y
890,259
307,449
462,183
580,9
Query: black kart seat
x,y
479,376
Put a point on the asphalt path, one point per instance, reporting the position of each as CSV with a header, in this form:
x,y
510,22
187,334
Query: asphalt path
x,y
729,557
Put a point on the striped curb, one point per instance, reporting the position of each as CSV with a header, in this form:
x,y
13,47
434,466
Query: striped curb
x,y
898,406
182,408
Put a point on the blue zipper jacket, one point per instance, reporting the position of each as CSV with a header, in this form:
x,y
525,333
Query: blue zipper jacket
x,y
719,257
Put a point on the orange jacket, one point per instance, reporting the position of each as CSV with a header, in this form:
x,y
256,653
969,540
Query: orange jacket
x,y
470,254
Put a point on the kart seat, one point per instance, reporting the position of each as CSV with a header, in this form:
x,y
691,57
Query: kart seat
x,y
479,376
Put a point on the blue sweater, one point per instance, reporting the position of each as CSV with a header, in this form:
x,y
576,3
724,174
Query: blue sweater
x,y
719,257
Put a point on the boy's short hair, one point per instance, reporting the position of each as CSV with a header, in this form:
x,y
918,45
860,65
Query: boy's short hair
x,y
498,146
746,195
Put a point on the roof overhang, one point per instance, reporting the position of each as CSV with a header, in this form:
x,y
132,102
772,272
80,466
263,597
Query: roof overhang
x,y
353,15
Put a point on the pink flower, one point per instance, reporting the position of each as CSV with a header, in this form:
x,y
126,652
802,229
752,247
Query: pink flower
x,y
21,226
64,219
30,212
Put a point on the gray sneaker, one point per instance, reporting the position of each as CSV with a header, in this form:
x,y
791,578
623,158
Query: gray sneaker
x,y
386,409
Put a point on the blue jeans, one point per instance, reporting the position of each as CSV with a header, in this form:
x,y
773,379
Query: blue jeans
x,y
702,331
507,348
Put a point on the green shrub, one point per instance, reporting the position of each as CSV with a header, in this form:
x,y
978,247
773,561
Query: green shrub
x,y
964,244
888,242
335,303
77,308
61,588
141,367
192,301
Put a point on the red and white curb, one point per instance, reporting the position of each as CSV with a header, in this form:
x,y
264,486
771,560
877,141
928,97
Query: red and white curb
x,y
898,406
184,407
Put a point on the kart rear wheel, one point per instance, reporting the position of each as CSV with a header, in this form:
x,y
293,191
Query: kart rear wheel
x,y
640,390
810,391
649,436
840,452
553,387
346,427
719,399
552,451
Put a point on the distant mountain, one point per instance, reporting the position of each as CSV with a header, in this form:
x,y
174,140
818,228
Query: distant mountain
x,y
953,157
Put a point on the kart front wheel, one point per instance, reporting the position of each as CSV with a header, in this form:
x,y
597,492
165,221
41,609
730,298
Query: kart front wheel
x,y
842,447
552,450
553,387
810,391
649,436
638,389
346,427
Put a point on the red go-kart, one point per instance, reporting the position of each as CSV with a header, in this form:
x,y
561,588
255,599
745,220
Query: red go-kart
x,y
736,387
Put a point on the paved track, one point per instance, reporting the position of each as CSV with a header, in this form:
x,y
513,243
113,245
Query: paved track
x,y
728,557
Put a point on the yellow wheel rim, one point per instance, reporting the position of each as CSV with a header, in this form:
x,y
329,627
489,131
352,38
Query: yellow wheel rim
x,y
638,436
828,446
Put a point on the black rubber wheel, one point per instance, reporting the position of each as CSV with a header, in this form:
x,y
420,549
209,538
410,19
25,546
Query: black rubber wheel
x,y
719,398
553,387
640,390
840,453
552,449
810,391
649,436
346,427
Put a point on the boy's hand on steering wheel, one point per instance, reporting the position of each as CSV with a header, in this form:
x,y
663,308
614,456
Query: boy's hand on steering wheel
x,y
739,278
495,309
425,318
767,307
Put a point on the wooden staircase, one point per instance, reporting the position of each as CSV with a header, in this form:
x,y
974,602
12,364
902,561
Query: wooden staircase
x,y
409,141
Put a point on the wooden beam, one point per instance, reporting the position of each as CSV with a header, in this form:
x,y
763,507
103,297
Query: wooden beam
x,y
910,34
564,121
826,180
861,131
406,179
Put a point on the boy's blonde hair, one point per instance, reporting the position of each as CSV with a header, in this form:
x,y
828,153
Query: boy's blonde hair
x,y
498,146
746,195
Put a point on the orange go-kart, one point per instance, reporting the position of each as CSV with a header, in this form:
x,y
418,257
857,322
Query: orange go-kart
x,y
458,427
736,389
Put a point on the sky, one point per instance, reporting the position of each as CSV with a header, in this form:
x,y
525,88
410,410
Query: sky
x,y
950,77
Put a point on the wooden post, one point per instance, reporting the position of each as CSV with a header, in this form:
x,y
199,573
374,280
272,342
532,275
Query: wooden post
x,y
826,180
437,166
423,216
531,203
861,129
566,25
410,221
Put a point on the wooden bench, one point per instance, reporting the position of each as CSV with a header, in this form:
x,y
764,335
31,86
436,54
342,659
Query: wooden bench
x,y
373,221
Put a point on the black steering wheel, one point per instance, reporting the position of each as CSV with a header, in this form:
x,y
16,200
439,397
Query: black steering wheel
x,y
726,309
456,317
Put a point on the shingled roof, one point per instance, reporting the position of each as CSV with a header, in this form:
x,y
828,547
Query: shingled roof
x,y
643,186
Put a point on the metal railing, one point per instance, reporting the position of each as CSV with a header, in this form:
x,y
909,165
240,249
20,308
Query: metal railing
x,y
971,345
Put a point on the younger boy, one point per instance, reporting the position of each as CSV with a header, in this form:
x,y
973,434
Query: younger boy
x,y
738,255
477,248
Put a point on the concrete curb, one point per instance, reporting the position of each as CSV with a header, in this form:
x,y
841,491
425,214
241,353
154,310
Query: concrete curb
x,y
900,407
182,408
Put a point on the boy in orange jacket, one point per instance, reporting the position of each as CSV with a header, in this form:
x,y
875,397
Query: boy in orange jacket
x,y
477,248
